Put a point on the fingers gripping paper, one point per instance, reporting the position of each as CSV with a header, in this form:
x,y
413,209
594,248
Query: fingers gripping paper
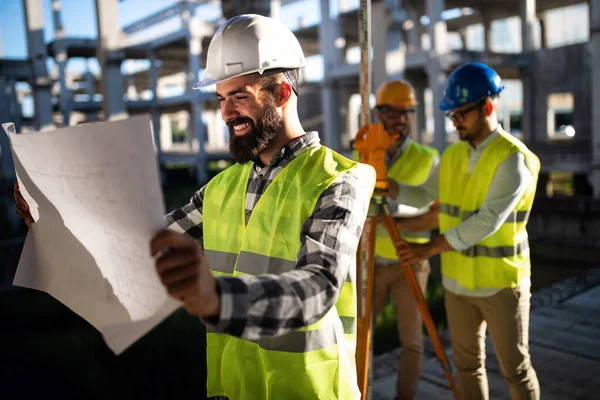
x,y
95,195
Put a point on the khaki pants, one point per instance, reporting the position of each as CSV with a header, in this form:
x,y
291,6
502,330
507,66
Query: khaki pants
x,y
506,316
390,280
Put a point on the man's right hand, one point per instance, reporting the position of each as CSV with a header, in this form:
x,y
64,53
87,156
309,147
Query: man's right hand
x,y
21,206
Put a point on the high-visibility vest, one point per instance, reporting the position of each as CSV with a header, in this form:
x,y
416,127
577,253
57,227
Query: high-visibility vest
x,y
413,167
314,362
502,259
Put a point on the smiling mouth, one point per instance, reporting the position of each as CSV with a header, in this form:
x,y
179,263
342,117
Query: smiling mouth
x,y
240,127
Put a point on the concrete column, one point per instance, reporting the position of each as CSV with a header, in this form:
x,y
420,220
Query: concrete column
x,y
436,78
420,124
487,32
437,27
380,18
543,34
59,31
198,129
153,74
595,63
346,124
412,30
110,59
90,81
7,169
331,119
275,9
41,85
65,95
528,21
528,121
395,61
329,31
463,38
156,130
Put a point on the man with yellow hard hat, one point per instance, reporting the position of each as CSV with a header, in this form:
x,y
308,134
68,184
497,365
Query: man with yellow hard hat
x,y
410,163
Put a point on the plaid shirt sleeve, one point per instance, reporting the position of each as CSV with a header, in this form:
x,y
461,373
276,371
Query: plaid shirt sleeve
x,y
188,219
270,305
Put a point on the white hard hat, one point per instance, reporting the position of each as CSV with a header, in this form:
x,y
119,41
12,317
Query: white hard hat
x,y
250,43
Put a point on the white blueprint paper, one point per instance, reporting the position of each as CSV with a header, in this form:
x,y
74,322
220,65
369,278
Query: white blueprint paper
x,y
95,195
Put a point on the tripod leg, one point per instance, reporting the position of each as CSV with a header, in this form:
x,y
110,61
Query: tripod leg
x,y
365,268
422,304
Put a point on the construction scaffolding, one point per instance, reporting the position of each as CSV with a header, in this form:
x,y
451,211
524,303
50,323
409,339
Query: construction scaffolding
x,y
154,75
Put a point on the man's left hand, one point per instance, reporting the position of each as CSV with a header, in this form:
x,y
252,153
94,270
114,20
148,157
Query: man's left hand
x,y
412,252
184,271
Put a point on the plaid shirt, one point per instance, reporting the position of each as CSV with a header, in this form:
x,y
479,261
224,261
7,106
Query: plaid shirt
x,y
268,305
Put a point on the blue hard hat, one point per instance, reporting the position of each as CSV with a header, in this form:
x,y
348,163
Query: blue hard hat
x,y
469,83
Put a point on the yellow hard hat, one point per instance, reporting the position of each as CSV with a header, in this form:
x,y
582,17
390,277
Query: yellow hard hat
x,y
396,93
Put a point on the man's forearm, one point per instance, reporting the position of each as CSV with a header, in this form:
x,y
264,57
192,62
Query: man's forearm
x,y
425,222
439,245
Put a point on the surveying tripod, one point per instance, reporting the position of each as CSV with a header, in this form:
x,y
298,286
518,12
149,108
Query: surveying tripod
x,y
372,142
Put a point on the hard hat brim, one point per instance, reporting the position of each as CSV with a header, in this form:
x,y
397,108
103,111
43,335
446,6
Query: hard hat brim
x,y
212,81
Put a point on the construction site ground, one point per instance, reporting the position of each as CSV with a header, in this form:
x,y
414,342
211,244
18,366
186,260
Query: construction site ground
x,y
564,344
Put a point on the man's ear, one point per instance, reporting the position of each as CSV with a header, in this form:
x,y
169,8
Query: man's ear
x,y
488,107
285,94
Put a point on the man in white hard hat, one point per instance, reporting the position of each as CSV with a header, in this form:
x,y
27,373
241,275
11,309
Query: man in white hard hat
x,y
265,252
278,230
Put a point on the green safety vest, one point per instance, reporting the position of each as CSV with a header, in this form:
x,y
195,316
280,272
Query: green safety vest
x,y
413,167
314,362
502,259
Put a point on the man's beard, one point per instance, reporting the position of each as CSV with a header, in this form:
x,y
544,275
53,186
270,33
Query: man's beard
x,y
262,135
402,130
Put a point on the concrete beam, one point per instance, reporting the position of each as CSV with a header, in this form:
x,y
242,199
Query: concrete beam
x,y
110,58
595,64
159,16
34,22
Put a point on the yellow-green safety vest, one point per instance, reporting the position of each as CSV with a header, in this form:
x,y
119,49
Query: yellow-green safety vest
x,y
314,362
502,259
413,167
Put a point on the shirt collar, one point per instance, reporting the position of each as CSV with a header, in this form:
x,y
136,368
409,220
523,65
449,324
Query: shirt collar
x,y
292,149
486,142
404,146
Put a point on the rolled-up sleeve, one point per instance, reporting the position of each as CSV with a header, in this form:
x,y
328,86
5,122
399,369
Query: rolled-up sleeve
x,y
418,196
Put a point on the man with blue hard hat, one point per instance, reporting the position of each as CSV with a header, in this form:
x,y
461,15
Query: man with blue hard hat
x,y
486,185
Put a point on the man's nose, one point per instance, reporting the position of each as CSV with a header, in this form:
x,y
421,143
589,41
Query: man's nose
x,y
228,111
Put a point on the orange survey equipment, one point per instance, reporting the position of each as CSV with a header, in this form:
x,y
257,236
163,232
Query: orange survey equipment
x,y
372,141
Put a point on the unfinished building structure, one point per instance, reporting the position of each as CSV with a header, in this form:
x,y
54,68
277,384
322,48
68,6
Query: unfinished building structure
x,y
410,39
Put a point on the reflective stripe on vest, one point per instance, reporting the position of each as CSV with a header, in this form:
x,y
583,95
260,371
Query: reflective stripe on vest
x,y
269,244
413,167
502,259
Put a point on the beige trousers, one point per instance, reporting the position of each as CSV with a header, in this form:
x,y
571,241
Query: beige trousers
x,y
506,316
390,280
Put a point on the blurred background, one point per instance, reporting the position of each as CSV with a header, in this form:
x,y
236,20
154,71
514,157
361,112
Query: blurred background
x,y
63,63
